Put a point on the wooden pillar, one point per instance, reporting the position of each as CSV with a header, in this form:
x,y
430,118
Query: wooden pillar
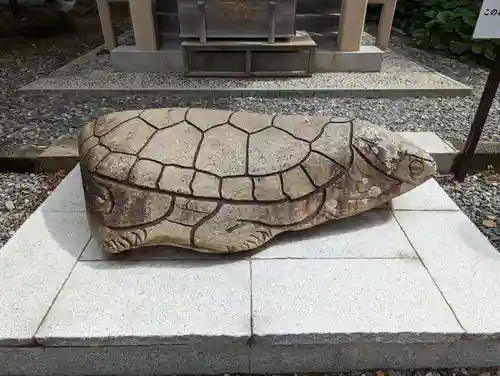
x,y
144,24
385,24
106,24
352,22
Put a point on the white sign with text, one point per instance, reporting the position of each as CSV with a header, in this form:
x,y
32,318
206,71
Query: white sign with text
x,y
488,22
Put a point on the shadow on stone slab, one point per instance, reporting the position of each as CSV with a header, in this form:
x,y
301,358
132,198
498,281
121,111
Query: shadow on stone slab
x,y
93,252
365,220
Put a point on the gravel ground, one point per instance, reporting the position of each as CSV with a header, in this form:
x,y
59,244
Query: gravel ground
x,y
418,372
20,195
478,197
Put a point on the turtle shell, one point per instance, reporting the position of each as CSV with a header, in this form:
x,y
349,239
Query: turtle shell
x,y
219,154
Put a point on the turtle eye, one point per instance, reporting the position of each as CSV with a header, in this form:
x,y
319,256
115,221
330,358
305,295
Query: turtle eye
x,y
415,167
102,200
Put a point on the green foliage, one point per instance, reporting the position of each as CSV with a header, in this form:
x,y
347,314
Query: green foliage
x,y
446,26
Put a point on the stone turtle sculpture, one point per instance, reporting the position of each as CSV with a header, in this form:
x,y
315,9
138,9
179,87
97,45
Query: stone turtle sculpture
x,y
221,181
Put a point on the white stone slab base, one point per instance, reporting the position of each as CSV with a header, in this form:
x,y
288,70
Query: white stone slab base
x,y
411,284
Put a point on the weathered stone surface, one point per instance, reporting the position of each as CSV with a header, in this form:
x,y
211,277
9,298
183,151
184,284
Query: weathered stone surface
x,y
176,179
108,122
159,118
223,151
325,173
237,188
304,127
145,173
174,145
116,165
129,137
86,132
250,123
205,120
206,185
222,182
89,144
334,143
95,156
296,183
268,188
272,150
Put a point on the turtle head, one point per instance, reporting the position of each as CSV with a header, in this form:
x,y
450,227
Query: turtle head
x,y
413,166
99,199
393,155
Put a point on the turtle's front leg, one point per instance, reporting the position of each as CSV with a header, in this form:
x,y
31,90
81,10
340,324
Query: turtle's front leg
x,y
117,241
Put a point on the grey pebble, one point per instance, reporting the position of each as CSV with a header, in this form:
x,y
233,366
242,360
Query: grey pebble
x,y
9,205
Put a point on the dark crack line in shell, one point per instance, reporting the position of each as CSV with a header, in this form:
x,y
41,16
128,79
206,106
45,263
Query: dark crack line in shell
x,y
351,144
190,185
342,167
189,122
150,223
198,128
234,125
367,141
192,210
370,163
280,171
202,221
197,151
253,189
263,129
159,129
178,223
116,126
247,156
102,160
318,136
157,184
288,132
129,173
89,137
88,151
308,176
219,187
282,184
147,142
350,120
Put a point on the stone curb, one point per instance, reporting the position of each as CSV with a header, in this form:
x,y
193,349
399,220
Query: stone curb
x,y
261,93
63,154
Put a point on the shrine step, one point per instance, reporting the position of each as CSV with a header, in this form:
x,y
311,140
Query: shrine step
x,y
291,57
318,6
319,23
325,39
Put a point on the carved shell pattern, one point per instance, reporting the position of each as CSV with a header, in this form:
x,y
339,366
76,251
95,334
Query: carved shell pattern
x,y
219,154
